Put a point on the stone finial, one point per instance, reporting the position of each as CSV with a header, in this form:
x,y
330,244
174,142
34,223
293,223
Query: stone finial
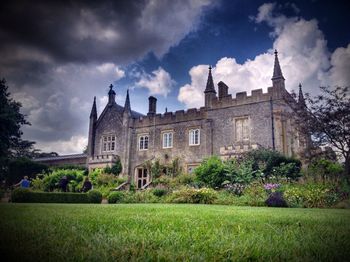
x,y
277,78
111,95
210,83
301,99
127,106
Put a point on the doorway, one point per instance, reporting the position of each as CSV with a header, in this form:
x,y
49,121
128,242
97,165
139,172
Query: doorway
x,y
141,177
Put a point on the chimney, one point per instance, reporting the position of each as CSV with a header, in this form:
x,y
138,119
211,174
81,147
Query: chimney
x,y
152,102
223,90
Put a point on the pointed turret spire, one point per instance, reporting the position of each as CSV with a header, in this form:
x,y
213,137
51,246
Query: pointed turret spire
x,y
127,107
210,83
301,99
93,113
111,95
277,78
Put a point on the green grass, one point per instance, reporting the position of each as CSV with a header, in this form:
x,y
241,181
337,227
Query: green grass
x,y
87,232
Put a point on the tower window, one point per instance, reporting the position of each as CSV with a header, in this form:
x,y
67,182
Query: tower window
x,y
194,137
108,143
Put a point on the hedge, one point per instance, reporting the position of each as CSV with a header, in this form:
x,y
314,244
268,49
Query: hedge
x,y
20,195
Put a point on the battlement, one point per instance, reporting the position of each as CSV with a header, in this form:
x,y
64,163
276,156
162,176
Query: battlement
x,y
235,150
256,96
171,117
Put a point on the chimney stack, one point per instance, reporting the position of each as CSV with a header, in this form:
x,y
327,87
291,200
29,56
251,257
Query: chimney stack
x,y
152,109
223,90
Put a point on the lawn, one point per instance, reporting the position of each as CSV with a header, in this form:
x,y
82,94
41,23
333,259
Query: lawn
x,y
87,232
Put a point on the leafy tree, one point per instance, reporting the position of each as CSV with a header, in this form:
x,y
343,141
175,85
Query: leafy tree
x,y
11,120
116,168
327,120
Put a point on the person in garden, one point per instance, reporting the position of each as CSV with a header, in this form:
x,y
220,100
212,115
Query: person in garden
x,y
63,183
24,183
86,185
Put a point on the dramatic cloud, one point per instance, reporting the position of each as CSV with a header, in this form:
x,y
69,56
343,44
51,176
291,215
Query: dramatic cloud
x,y
303,56
57,55
158,83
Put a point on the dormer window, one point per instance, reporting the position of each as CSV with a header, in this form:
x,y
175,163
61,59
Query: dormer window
x,y
108,143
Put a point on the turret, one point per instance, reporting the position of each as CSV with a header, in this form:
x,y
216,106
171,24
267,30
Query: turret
x,y
277,78
209,91
301,99
92,129
127,107
111,96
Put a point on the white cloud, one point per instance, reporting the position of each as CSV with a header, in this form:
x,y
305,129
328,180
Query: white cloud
x,y
157,83
74,145
303,57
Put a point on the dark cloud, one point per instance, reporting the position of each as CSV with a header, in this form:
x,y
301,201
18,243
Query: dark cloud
x,y
56,55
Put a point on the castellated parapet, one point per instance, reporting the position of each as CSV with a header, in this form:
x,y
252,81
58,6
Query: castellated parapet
x,y
225,126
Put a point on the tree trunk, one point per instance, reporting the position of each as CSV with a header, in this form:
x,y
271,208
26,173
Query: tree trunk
x,y
347,168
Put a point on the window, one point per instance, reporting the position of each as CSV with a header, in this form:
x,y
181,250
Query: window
x,y
194,137
242,129
143,142
142,177
167,140
108,144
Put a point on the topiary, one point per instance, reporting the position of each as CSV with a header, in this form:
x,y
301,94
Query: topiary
x,y
115,197
94,196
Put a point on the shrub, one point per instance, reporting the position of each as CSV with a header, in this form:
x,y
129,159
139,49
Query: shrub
x,y
276,199
21,195
255,194
211,172
195,196
325,169
115,197
117,168
159,192
273,163
94,196
310,195
50,181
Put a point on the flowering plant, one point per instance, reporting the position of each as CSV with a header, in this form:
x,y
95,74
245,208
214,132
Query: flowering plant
x,y
271,187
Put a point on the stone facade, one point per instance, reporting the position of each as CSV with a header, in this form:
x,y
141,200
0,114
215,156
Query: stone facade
x,y
225,126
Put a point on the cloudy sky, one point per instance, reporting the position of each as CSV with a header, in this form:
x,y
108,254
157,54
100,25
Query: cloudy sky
x,y
56,56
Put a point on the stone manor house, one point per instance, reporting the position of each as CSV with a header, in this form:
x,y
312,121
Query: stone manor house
x,y
225,126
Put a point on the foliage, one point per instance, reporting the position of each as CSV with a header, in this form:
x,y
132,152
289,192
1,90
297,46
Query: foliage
x,y
50,181
95,196
255,194
325,169
239,173
159,192
310,195
21,195
194,196
276,199
116,168
11,121
115,197
19,167
211,172
272,163
327,120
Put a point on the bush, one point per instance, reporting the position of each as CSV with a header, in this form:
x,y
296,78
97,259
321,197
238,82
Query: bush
x,y
211,172
22,195
194,196
50,181
94,196
115,197
276,200
159,192
325,169
255,195
310,195
273,163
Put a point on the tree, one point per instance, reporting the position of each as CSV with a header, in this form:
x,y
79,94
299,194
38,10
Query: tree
x,y
326,120
11,120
